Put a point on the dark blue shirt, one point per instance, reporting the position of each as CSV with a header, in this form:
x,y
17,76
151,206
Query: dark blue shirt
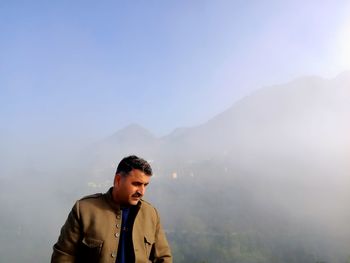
x,y
125,248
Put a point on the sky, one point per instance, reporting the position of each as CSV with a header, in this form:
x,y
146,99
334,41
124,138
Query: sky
x,y
82,70
74,72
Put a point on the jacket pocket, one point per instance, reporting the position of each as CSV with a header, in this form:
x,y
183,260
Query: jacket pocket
x,y
149,242
90,250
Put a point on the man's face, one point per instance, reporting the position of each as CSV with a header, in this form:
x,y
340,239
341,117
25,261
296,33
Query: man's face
x,y
129,189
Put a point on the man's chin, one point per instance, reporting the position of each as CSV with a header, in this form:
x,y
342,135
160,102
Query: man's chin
x,y
134,201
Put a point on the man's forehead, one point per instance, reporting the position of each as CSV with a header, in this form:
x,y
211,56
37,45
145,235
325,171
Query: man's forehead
x,y
137,175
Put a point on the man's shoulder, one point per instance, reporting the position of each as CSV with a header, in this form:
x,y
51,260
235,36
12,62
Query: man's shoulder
x,y
93,196
92,203
148,212
145,205
93,199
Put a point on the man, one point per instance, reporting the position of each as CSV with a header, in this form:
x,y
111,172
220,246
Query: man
x,y
117,226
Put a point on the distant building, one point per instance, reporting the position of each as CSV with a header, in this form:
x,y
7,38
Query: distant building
x,y
174,175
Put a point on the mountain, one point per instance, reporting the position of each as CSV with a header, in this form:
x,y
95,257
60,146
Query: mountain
x,y
306,119
269,176
307,111
276,116
132,139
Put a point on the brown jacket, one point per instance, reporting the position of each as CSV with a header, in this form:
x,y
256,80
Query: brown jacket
x,y
91,233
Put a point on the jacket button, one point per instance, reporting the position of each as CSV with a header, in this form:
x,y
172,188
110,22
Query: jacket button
x,y
116,235
114,254
117,225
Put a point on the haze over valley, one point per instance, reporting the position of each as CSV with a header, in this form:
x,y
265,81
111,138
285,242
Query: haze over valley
x,y
267,180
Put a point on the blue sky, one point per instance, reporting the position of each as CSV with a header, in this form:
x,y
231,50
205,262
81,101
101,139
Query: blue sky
x,y
85,69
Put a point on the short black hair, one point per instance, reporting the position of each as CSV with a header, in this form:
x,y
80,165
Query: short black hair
x,y
133,162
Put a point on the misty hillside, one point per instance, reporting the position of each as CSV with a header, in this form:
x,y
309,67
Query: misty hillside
x,y
268,180
273,167
308,113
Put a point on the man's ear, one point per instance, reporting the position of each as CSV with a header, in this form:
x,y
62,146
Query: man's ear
x,y
117,179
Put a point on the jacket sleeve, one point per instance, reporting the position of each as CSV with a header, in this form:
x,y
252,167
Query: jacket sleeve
x,y
162,252
65,249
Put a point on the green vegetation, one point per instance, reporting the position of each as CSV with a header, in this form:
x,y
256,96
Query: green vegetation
x,y
236,248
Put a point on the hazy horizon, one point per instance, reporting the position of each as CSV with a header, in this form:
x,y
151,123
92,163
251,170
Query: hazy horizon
x,y
257,169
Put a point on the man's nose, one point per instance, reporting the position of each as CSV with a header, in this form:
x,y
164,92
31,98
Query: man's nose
x,y
142,189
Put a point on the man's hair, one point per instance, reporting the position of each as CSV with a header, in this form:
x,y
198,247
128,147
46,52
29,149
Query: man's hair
x,y
133,162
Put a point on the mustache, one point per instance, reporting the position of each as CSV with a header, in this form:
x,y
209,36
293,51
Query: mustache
x,y
137,194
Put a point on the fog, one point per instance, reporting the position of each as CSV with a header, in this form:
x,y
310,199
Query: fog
x,y
265,181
